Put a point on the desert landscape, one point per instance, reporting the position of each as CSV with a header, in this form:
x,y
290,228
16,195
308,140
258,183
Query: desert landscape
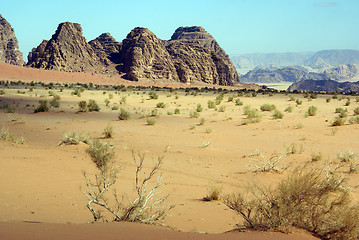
x,y
209,148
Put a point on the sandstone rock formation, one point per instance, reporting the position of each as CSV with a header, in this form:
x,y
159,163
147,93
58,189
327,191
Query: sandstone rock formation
x,y
9,46
144,56
68,51
192,55
197,37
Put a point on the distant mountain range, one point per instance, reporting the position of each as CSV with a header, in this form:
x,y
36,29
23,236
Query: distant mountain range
x,y
325,86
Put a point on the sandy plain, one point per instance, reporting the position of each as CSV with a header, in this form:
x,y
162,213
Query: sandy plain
x,y
41,183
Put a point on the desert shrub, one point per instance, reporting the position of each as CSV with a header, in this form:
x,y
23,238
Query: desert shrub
x,y
82,106
222,108
199,108
193,114
291,98
253,116
312,111
107,102
169,113
261,163
211,104
123,100
108,131
213,193
354,120
317,157
145,208
309,200
239,102
338,121
230,98
6,135
347,102
277,114
55,103
154,113
289,109
151,121
43,107
73,138
343,113
160,105
177,111
115,107
10,109
76,92
328,100
267,107
298,102
110,96
92,106
2,92
356,111
202,121
348,157
124,115
153,95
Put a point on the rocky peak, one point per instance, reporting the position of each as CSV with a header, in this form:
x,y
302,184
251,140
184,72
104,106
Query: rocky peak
x,y
67,50
190,33
144,56
107,48
9,46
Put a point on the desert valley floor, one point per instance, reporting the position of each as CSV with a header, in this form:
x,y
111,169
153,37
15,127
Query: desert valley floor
x,y
42,182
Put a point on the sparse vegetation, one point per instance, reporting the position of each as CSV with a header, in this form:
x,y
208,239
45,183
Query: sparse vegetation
x,y
267,107
312,111
124,115
108,131
277,114
151,121
43,107
6,135
213,193
73,138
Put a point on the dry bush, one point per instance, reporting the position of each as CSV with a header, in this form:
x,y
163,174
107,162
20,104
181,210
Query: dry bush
x,y
73,138
308,200
108,131
6,135
146,207
263,164
213,193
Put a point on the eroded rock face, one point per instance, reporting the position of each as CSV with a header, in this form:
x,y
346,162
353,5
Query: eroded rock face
x,y
68,51
9,46
144,56
107,48
197,36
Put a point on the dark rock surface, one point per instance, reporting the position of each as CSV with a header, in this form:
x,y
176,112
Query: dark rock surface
x,y
325,86
9,46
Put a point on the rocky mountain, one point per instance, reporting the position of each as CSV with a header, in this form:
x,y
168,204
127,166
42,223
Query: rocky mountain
x,y
294,74
191,55
9,46
318,61
68,51
325,86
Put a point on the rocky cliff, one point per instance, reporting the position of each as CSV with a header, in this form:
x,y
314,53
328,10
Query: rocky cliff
x,y
9,46
191,55
68,51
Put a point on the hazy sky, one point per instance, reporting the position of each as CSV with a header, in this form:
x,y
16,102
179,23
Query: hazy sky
x,y
240,26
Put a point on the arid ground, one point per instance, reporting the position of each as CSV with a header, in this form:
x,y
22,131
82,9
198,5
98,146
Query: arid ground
x,y
42,183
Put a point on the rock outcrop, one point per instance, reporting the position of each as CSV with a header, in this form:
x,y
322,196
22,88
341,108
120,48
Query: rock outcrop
x,y
325,86
9,46
144,56
196,37
192,55
68,51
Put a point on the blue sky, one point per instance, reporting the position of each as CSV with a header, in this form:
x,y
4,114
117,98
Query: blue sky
x,y
240,26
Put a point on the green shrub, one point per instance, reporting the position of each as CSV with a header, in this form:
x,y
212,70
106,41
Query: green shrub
x,y
347,102
115,107
153,95
312,111
199,108
356,111
343,113
55,103
107,102
6,135
267,107
298,102
151,121
160,105
10,109
2,91
177,111
123,100
73,138
92,106
222,108
43,107
239,102
338,121
213,193
124,115
108,131
354,120
211,104
101,153
82,106
193,114
277,114
289,109
253,116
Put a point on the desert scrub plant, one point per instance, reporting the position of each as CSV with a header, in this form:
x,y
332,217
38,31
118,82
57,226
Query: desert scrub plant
x,y
213,193
211,104
298,102
124,115
150,121
153,95
108,131
177,111
145,208
252,114
14,118
2,92
199,108
317,157
306,199
43,107
263,164
343,113
238,102
338,121
354,120
312,111
123,100
107,102
222,108
92,106
356,111
293,149
73,138
82,106
267,107
193,114
55,101
202,121
347,157
6,135
160,105
277,114
289,109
